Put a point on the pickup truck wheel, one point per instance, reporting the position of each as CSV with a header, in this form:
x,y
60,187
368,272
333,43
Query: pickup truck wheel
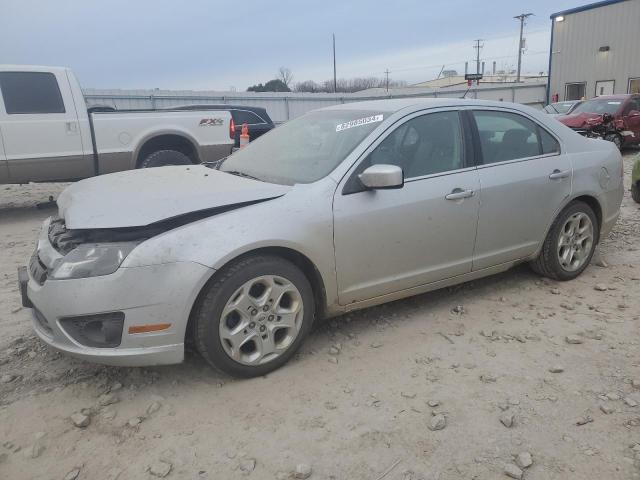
x,y
253,316
635,192
615,139
570,243
162,158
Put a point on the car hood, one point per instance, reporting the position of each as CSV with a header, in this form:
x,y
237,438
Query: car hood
x,y
142,197
577,120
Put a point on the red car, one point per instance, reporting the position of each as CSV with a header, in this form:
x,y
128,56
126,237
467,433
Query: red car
x,y
613,117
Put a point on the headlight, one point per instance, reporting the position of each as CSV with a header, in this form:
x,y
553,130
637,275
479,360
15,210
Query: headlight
x,y
92,260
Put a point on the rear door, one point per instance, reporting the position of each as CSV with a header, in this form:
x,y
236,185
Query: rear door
x,y
40,127
524,178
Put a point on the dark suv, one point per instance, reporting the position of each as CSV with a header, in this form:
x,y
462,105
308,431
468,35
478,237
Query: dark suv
x,y
256,118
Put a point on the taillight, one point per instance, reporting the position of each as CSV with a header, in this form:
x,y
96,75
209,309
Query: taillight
x,y
232,129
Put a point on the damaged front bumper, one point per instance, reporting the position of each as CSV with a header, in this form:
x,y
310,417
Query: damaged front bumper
x,y
160,294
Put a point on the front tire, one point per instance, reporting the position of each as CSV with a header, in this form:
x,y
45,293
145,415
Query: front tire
x,y
615,139
163,158
253,316
570,243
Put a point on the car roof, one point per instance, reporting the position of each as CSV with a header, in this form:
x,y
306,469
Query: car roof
x,y
396,104
614,97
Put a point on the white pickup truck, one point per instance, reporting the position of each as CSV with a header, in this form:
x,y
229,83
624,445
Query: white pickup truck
x,y
48,134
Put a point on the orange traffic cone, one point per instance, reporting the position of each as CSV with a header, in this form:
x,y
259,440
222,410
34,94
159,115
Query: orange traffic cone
x,y
244,135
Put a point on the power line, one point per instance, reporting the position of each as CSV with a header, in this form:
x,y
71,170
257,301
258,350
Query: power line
x,y
460,62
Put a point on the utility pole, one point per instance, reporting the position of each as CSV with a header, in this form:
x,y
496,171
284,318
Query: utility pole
x,y
478,47
386,72
522,17
335,81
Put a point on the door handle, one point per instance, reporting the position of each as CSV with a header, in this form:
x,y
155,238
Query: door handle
x,y
458,194
556,174
71,127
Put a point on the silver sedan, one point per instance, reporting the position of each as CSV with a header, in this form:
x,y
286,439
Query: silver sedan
x,y
340,209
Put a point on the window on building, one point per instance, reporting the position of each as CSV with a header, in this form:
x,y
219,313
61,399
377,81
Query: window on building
x,y
30,92
634,85
575,91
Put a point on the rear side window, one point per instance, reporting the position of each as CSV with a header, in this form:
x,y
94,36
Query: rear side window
x,y
509,136
245,116
30,92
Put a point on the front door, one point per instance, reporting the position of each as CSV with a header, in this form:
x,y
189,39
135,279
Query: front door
x,y
40,128
631,117
523,180
391,240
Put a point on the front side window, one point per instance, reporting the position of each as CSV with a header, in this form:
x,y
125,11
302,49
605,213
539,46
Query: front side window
x,y
424,145
508,136
30,92
634,104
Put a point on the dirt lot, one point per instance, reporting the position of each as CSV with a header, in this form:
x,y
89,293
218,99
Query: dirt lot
x,y
525,366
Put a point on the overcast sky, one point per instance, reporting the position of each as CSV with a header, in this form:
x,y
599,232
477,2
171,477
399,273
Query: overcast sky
x,y
216,45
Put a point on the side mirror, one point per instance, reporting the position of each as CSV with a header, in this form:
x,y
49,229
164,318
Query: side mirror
x,y
381,176
634,113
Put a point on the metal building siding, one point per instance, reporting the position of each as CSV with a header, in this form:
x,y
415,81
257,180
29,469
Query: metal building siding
x,y
576,40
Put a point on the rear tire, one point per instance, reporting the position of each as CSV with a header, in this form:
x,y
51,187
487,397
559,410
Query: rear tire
x,y
163,158
635,192
570,243
253,316
615,139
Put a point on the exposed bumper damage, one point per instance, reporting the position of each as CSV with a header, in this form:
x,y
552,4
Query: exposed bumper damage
x,y
138,295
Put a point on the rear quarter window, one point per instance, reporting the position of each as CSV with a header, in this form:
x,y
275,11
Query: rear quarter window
x,y
245,116
30,92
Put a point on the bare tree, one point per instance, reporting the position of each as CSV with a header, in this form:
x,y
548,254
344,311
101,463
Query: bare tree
x,y
285,75
347,85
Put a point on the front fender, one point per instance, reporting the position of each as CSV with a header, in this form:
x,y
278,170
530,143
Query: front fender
x,y
301,221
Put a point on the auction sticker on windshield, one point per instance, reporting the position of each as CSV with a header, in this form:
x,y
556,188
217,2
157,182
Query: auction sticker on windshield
x,y
359,122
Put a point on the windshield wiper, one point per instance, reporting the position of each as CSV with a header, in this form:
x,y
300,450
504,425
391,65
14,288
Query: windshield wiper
x,y
215,164
242,174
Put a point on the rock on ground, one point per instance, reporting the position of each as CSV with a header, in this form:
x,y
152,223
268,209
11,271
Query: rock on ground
x,y
513,471
160,469
303,471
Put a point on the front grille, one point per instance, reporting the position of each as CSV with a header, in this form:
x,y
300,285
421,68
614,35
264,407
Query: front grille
x,y
37,269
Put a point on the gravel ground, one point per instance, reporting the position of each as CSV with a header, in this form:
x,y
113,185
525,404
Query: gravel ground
x,y
511,376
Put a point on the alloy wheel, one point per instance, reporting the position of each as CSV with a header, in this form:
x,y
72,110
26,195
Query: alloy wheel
x,y
261,320
575,242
